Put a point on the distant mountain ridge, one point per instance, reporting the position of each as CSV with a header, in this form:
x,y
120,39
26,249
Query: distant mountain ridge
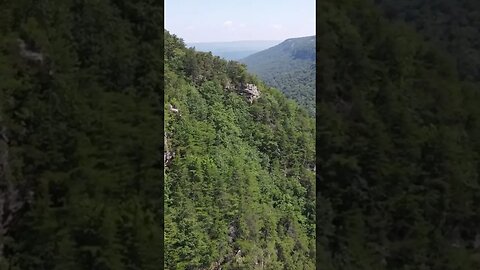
x,y
234,50
290,67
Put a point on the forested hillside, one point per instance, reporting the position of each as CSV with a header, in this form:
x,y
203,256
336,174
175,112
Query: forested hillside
x,y
240,161
398,137
453,26
81,134
290,67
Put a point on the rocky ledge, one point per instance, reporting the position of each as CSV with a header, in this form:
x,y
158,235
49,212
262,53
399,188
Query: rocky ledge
x,y
251,92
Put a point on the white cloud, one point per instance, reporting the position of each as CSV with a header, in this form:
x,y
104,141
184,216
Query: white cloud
x,y
228,23
242,25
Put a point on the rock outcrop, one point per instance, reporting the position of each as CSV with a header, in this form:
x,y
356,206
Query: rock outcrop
x,y
251,92
167,154
167,158
173,109
28,54
36,58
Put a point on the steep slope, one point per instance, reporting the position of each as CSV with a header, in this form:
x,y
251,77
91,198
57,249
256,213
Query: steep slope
x,y
239,182
80,119
399,171
453,26
289,67
233,50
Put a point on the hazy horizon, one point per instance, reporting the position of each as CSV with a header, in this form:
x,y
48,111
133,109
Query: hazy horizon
x,y
212,21
233,41
245,40
234,50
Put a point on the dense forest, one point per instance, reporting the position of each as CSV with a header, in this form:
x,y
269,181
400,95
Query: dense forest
x,y
453,26
240,168
398,132
80,144
290,67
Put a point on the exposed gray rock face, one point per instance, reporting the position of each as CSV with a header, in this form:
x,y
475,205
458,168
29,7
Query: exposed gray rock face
x,y
167,154
28,54
167,158
251,92
173,109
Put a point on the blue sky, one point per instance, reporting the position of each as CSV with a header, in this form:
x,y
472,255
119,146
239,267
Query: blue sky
x,y
233,20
